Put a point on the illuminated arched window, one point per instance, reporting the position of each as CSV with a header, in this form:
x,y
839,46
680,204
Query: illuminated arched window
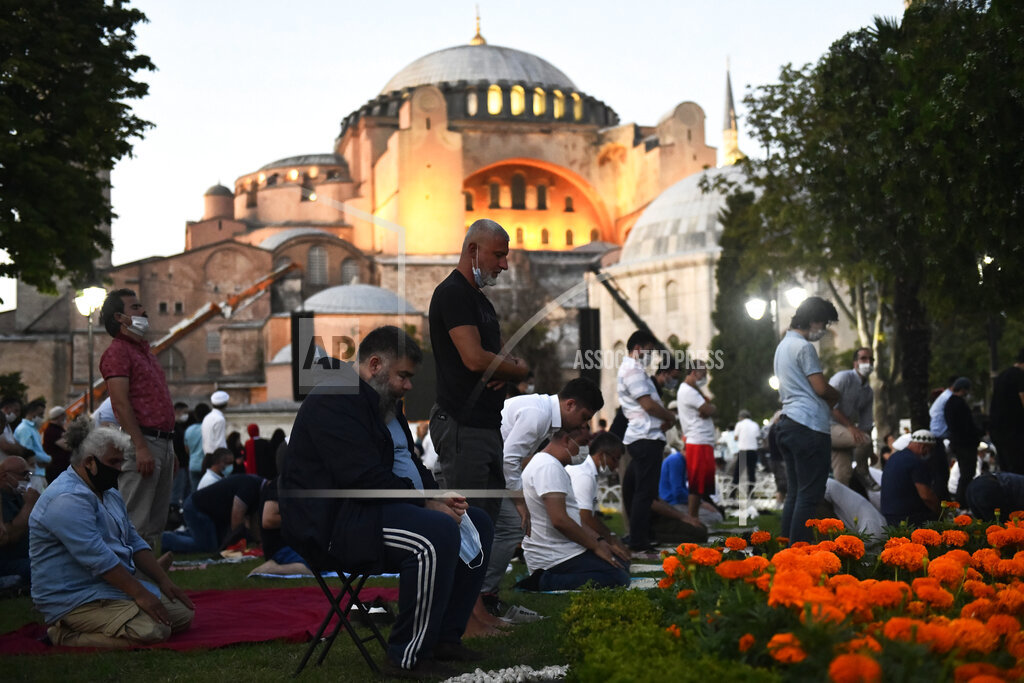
x,y
672,296
349,271
469,200
568,238
494,100
568,204
577,106
540,103
542,197
595,235
471,103
519,235
495,196
517,100
643,300
559,104
518,191
544,236
316,266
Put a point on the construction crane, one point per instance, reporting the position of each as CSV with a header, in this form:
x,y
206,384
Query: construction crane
x,y
226,308
620,299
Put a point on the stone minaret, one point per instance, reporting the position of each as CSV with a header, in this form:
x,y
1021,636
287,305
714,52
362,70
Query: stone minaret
x,y
730,146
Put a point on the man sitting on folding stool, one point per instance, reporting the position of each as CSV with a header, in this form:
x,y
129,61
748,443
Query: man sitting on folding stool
x,y
349,434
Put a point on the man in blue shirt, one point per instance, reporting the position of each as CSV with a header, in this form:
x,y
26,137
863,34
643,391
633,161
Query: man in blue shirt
x,y
27,434
803,430
97,582
907,494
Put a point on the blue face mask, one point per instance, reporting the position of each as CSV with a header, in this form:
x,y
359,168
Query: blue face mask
x,y
469,546
229,469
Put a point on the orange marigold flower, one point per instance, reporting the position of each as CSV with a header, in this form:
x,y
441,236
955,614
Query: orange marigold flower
x,y
972,670
956,555
1011,599
895,541
973,574
900,628
954,537
734,569
916,608
764,581
788,587
786,648
985,559
849,547
926,537
999,538
972,636
909,556
821,613
842,580
937,635
1015,645
829,525
888,593
674,630
783,541
666,582
982,608
746,642
826,545
979,589
854,668
933,594
759,537
735,543
865,643
946,570
685,549
962,520
683,594
706,557
1002,624
671,565
757,562
1016,515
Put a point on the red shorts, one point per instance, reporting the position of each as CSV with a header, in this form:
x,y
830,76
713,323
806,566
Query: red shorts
x,y
700,468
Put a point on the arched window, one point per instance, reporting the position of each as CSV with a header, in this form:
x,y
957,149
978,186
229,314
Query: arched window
x,y
173,363
494,100
519,235
316,266
568,204
542,197
469,200
559,104
643,300
568,237
495,196
517,100
540,103
518,191
672,296
471,103
595,235
544,236
577,106
349,271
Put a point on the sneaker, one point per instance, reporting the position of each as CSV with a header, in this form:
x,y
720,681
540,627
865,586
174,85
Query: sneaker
x,y
456,652
517,614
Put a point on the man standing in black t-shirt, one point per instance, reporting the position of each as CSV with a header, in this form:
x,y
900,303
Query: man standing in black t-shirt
x,y
465,422
1006,417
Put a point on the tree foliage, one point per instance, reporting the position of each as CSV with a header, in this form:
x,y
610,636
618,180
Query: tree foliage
x,y
66,73
893,169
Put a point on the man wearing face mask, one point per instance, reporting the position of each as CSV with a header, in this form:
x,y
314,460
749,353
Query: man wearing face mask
x,y
27,434
98,583
605,452
465,422
852,420
803,434
351,433
10,411
142,403
695,411
560,552
18,500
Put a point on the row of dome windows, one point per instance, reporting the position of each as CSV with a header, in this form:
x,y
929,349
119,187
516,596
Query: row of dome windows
x,y
545,236
518,196
317,268
517,102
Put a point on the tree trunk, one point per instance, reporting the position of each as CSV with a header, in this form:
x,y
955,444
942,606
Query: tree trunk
x,y
913,346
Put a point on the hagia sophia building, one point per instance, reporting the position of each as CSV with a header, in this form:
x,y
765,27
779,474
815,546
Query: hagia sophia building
x,y
373,224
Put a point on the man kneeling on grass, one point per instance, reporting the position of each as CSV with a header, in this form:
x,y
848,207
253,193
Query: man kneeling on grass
x,y
97,582
561,553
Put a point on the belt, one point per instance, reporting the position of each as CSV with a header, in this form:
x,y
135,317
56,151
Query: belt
x,y
158,433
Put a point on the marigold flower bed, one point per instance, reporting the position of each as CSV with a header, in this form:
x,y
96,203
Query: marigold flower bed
x,y
941,603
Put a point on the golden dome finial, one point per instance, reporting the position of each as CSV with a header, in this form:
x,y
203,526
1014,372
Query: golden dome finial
x,y
477,39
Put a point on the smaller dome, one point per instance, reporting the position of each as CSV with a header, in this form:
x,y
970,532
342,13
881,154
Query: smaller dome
x,y
358,299
282,356
307,160
218,190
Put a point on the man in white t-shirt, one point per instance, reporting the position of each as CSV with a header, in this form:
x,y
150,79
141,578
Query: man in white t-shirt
x,y
215,425
221,459
561,552
648,419
606,450
695,413
746,433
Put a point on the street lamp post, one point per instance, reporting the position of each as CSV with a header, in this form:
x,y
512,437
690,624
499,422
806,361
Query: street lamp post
x,y
87,301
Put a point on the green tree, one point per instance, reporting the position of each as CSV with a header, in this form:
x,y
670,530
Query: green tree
x,y
66,73
884,174
747,346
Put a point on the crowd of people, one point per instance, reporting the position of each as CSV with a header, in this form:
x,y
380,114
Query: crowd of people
x,y
497,468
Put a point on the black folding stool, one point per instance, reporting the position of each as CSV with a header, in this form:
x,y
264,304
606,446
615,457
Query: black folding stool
x,y
351,584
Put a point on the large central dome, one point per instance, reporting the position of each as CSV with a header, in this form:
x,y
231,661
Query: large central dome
x,y
472,63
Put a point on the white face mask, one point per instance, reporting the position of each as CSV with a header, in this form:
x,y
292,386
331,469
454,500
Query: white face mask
x,y
11,417
482,279
864,369
815,335
702,381
581,456
604,470
469,543
140,325
22,488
